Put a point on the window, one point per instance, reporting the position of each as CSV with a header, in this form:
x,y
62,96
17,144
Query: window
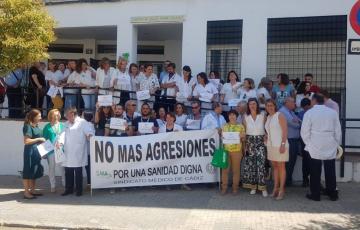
x,y
106,49
66,48
147,49
314,45
224,40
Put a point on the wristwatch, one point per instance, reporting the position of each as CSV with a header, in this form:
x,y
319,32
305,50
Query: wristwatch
x,y
282,143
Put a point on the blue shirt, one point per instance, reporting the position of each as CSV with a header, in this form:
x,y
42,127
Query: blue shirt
x,y
281,95
162,75
13,77
293,126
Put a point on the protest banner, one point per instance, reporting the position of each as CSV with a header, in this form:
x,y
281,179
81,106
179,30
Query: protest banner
x,y
158,159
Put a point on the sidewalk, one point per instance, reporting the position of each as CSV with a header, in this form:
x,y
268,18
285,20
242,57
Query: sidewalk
x,y
202,208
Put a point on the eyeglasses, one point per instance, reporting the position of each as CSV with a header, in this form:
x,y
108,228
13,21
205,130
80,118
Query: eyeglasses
x,y
133,105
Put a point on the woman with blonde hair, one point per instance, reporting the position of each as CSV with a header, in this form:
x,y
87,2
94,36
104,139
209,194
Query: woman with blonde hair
x,y
32,169
51,132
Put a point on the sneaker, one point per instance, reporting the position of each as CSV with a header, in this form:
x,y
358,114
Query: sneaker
x,y
253,192
265,193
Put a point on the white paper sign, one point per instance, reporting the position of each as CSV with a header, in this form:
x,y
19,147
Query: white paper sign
x,y
118,123
193,124
59,155
231,137
52,92
105,100
45,148
143,95
233,102
146,127
205,96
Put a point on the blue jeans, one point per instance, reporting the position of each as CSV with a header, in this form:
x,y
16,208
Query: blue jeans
x,y
294,150
89,102
70,101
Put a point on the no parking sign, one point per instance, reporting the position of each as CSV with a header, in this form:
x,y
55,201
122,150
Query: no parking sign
x,y
355,17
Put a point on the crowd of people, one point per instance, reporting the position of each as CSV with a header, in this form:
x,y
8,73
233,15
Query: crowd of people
x,y
277,121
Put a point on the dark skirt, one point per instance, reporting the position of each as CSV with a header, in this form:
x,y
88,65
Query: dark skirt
x,y
32,163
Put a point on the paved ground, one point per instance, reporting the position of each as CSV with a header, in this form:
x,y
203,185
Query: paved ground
x,y
202,208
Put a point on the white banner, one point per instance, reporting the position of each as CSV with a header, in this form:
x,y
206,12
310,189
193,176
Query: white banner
x,y
157,159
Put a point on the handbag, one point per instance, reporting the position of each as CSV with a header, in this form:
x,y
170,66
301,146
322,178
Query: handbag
x,y
220,158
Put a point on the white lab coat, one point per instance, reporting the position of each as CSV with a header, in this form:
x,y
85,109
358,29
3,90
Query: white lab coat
x,y
321,132
210,122
75,142
174,79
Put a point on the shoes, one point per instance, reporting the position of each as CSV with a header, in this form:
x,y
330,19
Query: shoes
x,y
253,192
265,193
280,195
311,197
29,197
275,193
67,193
37,194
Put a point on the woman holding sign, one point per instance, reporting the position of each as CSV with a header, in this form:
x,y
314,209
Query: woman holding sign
x,y
277,147
170,125
32,169
52,131
233,134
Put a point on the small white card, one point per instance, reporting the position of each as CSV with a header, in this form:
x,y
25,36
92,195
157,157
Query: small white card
x,y
45,148
193,124
234,102
146,127
52,92
59,155
143,95
231,137
105,100
207,97
118,123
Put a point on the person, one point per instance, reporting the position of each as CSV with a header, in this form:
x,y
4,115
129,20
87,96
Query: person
x,y
305,105
37,86
74,142
164,72
293,132
62,73
180,114
52,132
282,90
247,90
118,113
121,80
103,76
185,86
130,114
329,102
321,133
255,158
88,117
133,74
193,120
277,147
235,152
161,116
241,109
229,90
309,78
215,79
102,116
148,81
53,79
145,118
264,91
13,92
170,125
214,119
204,90
70,94
168,86
74,81
32,168
87,81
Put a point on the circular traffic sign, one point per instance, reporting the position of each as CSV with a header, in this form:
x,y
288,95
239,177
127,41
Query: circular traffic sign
x,y
355,17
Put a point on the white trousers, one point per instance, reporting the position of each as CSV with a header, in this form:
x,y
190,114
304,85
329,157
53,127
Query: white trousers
x,y
52,167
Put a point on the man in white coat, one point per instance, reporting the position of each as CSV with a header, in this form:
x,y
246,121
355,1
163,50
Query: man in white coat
x,y
77,132
321,133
